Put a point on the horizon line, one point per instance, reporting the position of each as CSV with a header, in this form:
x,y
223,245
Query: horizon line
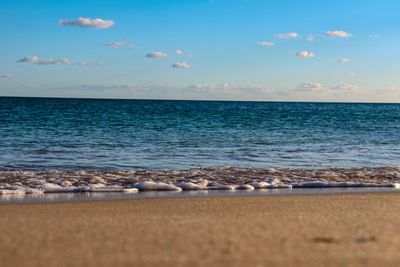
x,y
202,100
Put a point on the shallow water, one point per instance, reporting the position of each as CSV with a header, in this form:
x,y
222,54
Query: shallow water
x,y
14,183
72,197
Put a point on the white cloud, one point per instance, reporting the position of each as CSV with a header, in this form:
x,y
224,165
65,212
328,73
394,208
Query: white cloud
x,y
226,90
156,54
115,44
389,91
37,60
87,23
310,38
265,43
88,64
179,52
6,76
310,86
344,60
31,59
205,87
346,87
289,35
305,54
318,87
119,44
181,65
64,61
229,88
340,34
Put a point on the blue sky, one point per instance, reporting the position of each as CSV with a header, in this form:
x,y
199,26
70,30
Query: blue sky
x,y
311,50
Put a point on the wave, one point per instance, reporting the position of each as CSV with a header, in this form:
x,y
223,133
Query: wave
x,y
19,182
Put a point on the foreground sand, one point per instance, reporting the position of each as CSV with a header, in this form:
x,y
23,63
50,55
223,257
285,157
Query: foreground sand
x,y
308,230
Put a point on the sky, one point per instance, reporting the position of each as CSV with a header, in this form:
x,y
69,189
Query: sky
x,y
275,50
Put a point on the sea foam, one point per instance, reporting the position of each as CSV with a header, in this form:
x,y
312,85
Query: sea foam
x,y
153,186
20,182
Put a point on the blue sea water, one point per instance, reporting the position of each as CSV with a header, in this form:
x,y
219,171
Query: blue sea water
x,y
45,133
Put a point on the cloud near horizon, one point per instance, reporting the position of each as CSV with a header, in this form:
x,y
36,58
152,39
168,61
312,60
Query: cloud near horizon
x,y
87,23
232,88
31,59
87,64
305,54
310,86
6,76
37,60
181,65
344,60
226,90
346,87
318,87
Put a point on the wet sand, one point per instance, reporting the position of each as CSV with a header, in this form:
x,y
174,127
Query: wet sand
x,y
302,230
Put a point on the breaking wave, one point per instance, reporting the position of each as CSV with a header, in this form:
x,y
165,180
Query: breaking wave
x,y
19,182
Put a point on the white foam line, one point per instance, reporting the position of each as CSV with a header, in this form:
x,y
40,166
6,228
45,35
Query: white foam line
x,y
113,189
153,186
265,185
191,186
33,191
245,187
318,184
160,186
55,188
222,187
11,192
395,185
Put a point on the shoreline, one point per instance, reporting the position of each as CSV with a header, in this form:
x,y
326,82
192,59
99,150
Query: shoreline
x,y
77,197
23,182
284,230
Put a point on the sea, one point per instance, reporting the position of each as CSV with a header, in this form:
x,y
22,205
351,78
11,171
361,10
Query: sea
x,y
57,143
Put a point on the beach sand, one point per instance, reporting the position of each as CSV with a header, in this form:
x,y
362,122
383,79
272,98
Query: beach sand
x,y
302,230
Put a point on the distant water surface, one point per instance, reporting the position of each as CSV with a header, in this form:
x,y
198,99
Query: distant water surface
x,y
43,133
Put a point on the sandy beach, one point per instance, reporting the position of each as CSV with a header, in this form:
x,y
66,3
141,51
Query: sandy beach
x,y
303,230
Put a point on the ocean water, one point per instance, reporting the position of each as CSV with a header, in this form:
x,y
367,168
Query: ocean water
x,y
42,133
57,145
